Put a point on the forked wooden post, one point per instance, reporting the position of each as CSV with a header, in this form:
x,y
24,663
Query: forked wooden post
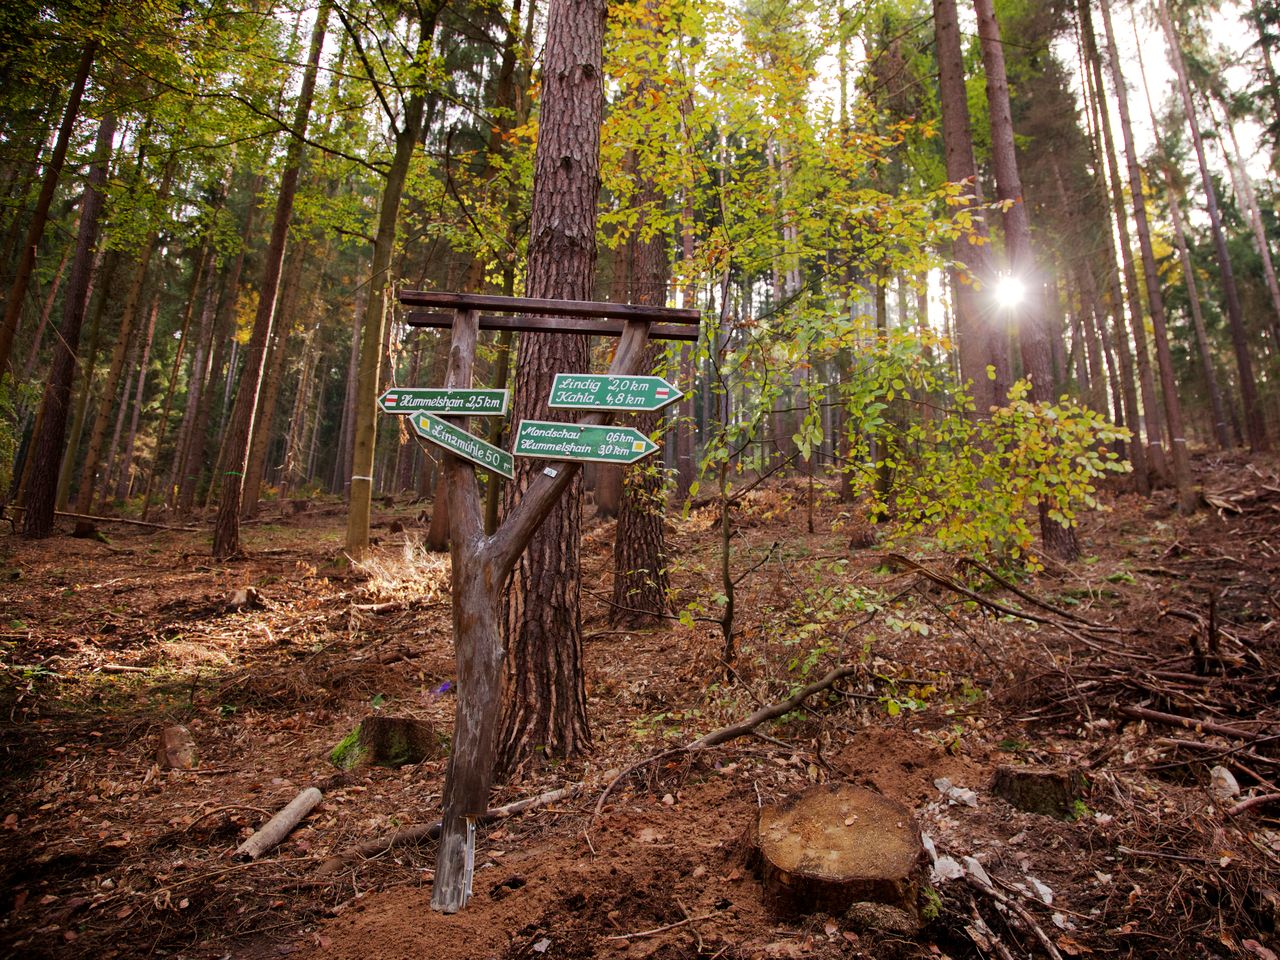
x,y
481,564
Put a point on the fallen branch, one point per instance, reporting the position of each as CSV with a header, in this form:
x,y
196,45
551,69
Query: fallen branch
x,y
431,831
1030,598
1189,723
1260,800
944,581
129,520
735,730
1014,907
279,826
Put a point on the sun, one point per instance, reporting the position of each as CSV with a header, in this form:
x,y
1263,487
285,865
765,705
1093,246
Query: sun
x,y
1009,291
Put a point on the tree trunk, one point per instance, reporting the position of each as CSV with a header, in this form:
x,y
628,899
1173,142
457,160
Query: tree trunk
x,y
1188,498
1058,539
1151,419
545,705
226,530
50,442
33,354
979,337
639,544
1254,427
40,216
264,420
124,482
1221,432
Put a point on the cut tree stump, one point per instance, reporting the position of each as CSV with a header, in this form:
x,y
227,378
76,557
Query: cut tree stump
x,y
837,845
1043,790
388,742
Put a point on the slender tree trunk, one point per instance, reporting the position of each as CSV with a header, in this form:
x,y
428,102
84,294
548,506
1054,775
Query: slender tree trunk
x,y
124,482
340,482
1220,430
1058,539
1151,419
979,335
226,530
1188,498
545,703
264,420
1254,427
46,312
48,447
40,216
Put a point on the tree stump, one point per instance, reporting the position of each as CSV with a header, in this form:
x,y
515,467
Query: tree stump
x,y
1051,792
388,742
834,846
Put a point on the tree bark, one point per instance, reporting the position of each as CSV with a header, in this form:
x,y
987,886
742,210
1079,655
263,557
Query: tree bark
x,y
980,339
545,703
1150,419
50,441
1033,341
1255,430
40,216
124,482
226,530
1188,498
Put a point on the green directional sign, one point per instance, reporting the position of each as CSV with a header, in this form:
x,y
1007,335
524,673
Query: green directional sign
x,y
442,400
602,391
571,441
456,440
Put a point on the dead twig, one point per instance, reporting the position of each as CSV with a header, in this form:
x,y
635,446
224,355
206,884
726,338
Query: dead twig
x,y
1260,800
662,929
1189,723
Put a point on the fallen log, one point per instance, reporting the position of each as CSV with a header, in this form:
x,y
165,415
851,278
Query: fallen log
x,y
279,826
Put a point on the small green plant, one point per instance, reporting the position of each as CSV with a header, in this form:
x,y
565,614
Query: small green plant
x,y
931,909
1080,810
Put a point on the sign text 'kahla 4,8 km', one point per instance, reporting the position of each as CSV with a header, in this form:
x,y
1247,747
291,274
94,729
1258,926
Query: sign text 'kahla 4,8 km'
x,y
602,391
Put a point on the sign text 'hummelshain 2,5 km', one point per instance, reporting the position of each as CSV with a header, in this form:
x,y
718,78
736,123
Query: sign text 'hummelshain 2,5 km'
x,y
603,391
571,441
445,401
457,440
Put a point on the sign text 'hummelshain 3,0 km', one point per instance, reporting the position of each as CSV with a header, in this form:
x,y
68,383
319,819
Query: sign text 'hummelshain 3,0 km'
x,y
446,401
603,391
571,441
457,440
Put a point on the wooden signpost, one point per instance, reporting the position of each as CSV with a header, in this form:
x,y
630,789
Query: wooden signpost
x,y
482,563
484,403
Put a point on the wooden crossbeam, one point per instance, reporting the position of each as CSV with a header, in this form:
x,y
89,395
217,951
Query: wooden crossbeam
x,y
588,326
554,308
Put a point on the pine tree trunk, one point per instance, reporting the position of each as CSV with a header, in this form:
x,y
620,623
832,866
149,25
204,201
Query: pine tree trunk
x,y
33,354
264,420
40,216
1188,498
47,451
639,545
1254,427
979,338
226,530
1058,539
221,333
1101,140
124,482
1221,432
545,703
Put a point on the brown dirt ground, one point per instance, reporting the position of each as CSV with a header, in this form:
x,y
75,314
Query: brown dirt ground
x,y
104,644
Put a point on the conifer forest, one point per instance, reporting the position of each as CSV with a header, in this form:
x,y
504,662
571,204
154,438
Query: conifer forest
x,y
660,479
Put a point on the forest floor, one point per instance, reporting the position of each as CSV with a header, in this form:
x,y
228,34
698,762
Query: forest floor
x,y
105,855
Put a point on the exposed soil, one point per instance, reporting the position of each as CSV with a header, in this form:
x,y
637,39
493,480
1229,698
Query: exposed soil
x,y
105,855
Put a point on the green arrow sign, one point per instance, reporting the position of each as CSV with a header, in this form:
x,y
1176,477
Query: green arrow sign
x,y
484,403
457,440
602,391
570,441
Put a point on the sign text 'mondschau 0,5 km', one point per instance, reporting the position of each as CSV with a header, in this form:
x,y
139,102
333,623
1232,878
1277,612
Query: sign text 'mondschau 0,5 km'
x,y
572,441
602,391
444,401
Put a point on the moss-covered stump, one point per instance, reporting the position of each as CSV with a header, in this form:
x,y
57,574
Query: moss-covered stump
x,y
836,845
387,742
1048,791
